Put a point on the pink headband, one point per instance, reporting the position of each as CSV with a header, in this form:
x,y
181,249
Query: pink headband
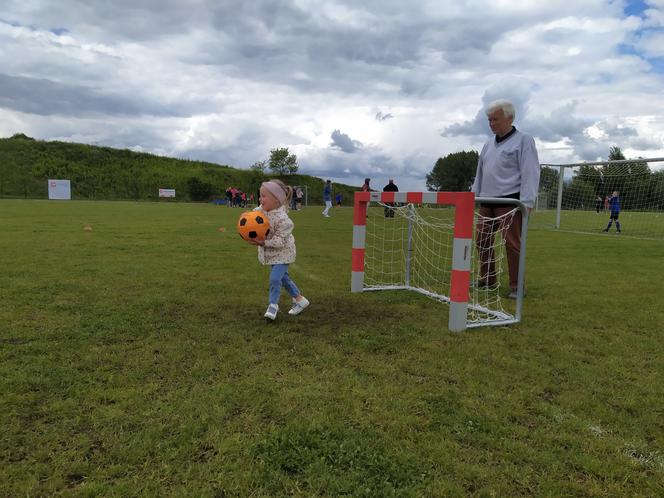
x,y
276,190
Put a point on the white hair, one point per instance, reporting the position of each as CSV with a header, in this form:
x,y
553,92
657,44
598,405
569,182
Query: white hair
x,y
504,105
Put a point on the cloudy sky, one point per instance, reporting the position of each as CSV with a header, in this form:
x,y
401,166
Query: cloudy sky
x,y
376,88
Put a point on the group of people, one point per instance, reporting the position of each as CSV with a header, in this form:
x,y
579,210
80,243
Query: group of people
x,y
296,200
508,168
237,198
366,187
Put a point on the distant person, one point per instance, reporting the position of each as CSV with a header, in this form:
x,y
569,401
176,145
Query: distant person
x,y
508,167
606,203
389,206
337,199
278,249
327,197
229,196
614,207
299,194
598,203
366,187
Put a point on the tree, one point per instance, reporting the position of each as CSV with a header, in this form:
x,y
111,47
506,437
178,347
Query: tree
x,y
578,194
259,166
614,174
282,162
199,190
593,176
548,188
615,154
548,178
21,136
454,172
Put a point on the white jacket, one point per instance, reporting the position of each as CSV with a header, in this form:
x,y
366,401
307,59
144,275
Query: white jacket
x,y
279,245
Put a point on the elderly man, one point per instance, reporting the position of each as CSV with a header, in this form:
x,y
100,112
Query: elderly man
x,y
508,167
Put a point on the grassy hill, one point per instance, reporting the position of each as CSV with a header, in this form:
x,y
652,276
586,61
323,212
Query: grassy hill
x,y
107,173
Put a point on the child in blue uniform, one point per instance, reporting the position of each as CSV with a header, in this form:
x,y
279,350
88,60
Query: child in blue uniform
x,y
614,208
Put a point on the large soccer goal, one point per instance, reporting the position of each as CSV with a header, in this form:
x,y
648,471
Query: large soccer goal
x,y
428,242
581,202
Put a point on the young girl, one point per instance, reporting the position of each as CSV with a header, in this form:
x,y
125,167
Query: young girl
x,y
278,249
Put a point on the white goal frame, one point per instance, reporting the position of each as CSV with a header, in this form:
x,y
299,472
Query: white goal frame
x,y
463,250
561,175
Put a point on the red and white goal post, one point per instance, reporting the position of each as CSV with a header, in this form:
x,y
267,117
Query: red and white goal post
x,y
426,242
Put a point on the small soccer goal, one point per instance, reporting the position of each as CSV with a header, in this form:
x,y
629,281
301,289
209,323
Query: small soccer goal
x,y
436,244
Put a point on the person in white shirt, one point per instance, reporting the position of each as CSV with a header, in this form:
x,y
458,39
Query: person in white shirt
x,y
508,167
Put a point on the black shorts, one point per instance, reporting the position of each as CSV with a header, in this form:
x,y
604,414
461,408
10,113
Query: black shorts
x,y
614,215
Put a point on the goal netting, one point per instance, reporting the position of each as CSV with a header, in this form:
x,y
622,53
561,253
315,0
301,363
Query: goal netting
x,y
411,246
582,202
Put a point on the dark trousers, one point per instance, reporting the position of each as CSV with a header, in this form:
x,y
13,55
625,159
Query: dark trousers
x,y
486,231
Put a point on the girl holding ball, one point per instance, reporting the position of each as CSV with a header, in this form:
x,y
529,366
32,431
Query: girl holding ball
x,y
278,249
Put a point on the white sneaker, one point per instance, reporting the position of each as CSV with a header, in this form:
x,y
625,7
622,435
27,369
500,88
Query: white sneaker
x,y
298,306
271,312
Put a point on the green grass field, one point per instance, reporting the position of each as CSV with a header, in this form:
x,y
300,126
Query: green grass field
x,y
135,361
643,225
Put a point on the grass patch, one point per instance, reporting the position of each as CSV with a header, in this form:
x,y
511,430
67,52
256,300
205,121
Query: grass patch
x,y
134,360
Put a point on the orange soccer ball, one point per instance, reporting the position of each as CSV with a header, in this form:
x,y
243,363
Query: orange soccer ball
x,y
253,225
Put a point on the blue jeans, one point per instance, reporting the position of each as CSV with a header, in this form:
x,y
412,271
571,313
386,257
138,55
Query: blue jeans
x,y
279,276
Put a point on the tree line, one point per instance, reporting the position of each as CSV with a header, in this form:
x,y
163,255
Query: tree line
x,y
639,186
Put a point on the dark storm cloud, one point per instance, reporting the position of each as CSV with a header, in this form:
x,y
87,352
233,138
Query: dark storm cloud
x,y
270,40
45,97
343,142
373,49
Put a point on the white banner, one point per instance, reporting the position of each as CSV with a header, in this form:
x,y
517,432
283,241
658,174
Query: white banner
x,y
59,189
166,192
